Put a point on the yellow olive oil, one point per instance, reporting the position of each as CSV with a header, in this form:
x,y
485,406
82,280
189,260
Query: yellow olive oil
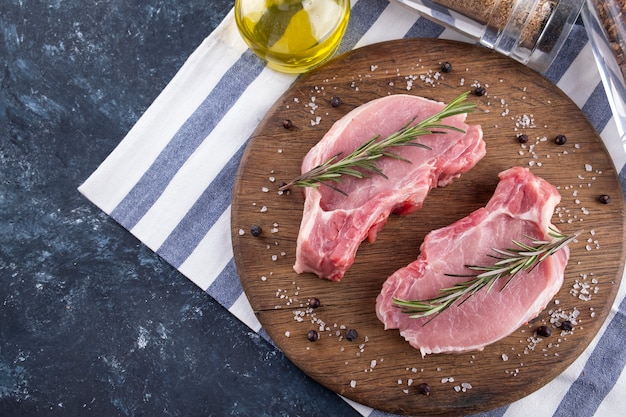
x,y
292,35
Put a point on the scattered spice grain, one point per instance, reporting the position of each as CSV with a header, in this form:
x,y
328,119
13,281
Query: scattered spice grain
x,y
566,326
522,138
544,331
336,101
256,230
560,139
283,189
423,389
314,302
604,199
480,91
351,334
313,336
446,67
287,124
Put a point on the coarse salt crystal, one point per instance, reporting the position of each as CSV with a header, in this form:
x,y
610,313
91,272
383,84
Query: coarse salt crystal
x,y
352,383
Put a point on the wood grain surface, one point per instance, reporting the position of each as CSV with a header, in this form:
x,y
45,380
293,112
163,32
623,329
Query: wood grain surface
x,y
379,368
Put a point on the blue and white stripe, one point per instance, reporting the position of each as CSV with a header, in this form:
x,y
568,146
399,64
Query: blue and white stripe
x,y
169,181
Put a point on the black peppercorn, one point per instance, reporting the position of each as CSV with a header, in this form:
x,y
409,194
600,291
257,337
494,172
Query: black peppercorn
x,y
313,335
480,91
544,331
567,326
336,101
281,188
522,138
351,334
256,230
314,302
560,139
446,67
605,199
287,124
423,388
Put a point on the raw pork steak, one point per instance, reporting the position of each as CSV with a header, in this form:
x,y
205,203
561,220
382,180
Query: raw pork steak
x,y
522,205
333,225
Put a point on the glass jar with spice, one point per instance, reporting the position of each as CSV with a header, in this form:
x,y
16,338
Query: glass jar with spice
x,y
530,31
293,36
605,22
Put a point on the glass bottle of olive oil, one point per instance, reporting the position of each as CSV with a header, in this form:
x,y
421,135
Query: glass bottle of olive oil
x,y
292,35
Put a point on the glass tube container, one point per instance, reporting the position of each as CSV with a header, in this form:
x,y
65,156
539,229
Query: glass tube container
x,y
605,22
530,31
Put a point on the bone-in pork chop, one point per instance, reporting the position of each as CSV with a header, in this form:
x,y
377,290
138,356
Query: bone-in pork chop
x,y
522,206
333,224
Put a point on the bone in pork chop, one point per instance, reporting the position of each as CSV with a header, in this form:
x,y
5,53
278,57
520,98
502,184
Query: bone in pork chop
x,y
333,225
522,205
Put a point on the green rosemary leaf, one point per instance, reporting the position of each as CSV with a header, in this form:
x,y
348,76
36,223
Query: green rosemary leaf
x,y
361,163
524,257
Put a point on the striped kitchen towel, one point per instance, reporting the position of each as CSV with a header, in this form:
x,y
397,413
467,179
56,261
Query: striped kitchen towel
x,y
169,181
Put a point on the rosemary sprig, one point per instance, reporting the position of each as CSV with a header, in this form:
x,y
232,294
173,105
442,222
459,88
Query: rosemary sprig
x,y
362,162
509,262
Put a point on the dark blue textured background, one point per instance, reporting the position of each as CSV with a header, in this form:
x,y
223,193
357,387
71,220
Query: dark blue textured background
x,y
92,322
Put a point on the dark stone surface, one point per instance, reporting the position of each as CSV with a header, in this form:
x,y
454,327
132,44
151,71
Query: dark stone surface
x,y
91,321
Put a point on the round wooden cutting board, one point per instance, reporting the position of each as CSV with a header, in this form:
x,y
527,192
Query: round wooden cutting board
x,y
379,368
